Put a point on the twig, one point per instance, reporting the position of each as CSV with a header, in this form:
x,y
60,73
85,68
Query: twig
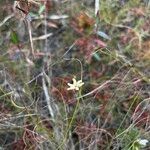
x,y
96,7
6,19
96,89
42,37
30,36
47,97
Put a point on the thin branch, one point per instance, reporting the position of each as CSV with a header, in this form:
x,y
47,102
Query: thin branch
x,y
6,19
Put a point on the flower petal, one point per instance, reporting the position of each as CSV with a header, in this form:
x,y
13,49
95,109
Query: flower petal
x,y
76,84
77,88
74,81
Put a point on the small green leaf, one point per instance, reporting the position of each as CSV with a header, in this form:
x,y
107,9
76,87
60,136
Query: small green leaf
x,y
104,35
42,8
14,37
96,56
33,15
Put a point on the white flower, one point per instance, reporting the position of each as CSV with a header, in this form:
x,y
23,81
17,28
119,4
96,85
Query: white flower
x,y
142,142
76,85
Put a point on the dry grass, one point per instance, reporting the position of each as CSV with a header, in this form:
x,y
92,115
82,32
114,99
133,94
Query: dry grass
x,y
44,44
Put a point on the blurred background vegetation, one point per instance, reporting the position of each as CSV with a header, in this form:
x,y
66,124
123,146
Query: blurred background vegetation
x,y
46,43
